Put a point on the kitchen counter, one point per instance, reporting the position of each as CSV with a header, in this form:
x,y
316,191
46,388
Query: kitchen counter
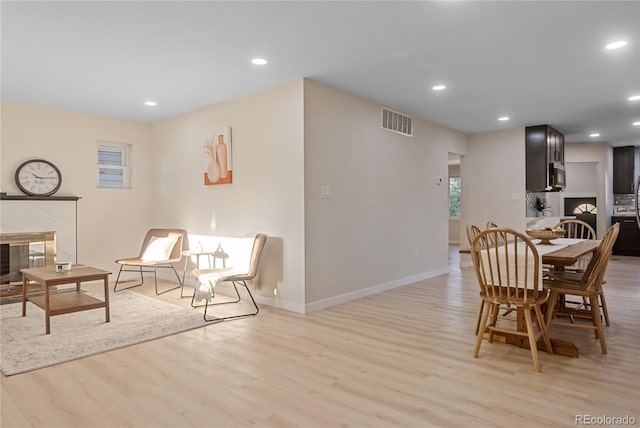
x,y
628,242
543,222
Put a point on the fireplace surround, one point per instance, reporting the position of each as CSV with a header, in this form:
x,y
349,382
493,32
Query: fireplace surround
x,y
35,231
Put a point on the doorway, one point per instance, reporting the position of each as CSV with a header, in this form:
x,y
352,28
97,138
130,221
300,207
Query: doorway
x,y
454,185
584,209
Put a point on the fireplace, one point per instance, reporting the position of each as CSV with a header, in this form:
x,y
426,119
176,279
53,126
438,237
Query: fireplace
x,y
35,231
23,250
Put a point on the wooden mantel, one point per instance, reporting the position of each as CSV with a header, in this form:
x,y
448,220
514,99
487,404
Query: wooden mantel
x,y
5,197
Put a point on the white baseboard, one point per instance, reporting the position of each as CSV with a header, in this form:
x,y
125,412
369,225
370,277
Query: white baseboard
x,y
279,303
321,304
343,298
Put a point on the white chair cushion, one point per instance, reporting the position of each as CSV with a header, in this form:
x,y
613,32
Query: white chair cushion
x,y
159,248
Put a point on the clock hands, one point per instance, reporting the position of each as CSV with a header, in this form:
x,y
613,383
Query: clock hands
x,y
43,178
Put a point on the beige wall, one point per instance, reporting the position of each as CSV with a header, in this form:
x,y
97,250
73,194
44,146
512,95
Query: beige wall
x,y
268,182
111,223
385,223
491,174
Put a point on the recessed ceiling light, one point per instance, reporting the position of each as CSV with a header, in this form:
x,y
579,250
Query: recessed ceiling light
x,y
616,45
634,98
503,118
439,87
150,103
594,135
259,61
636,123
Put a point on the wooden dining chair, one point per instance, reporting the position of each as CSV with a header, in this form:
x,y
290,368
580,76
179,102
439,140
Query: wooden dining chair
x,y
587,284
508,270
578,229
472,232
575,228
491,225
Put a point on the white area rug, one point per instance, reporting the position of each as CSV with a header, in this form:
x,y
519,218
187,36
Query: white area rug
x,y
135,318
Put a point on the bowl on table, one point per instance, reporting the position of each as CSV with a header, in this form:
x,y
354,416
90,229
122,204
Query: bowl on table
x,y
545,235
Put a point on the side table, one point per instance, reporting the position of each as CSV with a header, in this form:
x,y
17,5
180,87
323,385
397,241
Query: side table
x,y
190,253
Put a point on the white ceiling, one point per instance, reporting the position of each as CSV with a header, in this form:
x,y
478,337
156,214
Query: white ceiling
x,y
537,62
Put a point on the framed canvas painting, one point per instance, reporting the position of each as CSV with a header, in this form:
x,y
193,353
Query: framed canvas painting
x,y
218,166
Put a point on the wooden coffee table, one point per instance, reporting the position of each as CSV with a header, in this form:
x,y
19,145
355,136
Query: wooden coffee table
x,y
68,301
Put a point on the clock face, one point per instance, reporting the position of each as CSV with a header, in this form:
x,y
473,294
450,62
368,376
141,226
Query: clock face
x,y
38,177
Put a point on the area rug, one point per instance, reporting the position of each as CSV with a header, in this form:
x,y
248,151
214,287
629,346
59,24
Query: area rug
x,y
135,318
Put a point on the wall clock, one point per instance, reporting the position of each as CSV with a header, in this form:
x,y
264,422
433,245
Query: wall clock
x,y
37,177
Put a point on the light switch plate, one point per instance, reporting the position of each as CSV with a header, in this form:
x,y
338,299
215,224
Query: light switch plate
x,y
325,192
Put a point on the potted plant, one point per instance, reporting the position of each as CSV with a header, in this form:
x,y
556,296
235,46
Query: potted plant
x,y
540,205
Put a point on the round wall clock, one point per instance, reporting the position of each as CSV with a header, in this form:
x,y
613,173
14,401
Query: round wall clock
x,y
37,177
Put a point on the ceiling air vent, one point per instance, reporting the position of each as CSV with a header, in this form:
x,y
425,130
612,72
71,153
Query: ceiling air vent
x,y
397,122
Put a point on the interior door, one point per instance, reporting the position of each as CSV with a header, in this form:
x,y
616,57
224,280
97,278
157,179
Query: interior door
x,y
584,209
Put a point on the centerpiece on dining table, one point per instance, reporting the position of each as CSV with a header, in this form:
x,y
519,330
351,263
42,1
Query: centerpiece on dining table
x,y
545,235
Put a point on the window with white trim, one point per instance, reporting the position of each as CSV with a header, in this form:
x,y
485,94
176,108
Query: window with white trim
x,y
454,197
114,165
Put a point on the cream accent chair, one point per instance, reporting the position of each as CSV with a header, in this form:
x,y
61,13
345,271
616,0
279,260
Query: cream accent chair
x,y
160,249
208,279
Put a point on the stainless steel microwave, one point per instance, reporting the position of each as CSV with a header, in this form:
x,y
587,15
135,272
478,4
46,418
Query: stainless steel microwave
x,y
557,177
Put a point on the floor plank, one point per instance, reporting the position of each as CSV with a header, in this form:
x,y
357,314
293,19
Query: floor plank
x,y
400,358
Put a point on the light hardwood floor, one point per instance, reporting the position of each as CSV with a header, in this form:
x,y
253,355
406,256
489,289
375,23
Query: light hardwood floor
x,y
394,359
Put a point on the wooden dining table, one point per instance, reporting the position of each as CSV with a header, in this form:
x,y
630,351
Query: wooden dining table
x,y
568,255
562,252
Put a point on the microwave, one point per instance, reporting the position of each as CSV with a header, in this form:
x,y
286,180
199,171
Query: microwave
x,y
557,177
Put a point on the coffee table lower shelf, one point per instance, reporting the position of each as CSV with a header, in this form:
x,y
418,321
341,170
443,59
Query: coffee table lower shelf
x,y
67,302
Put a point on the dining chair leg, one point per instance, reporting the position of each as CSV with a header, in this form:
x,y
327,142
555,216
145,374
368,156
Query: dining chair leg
x,y
551,305
532,339
483,324
595,313
544,328
495,310
603,303
479,317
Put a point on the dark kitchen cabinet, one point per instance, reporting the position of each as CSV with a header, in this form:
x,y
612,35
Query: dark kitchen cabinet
x,y
625,169
544,146
628,242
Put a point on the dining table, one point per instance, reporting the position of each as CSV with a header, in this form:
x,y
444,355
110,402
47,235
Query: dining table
x,y
559,253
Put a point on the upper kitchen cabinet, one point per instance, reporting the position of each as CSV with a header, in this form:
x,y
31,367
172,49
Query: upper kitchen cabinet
x,y
544,150
625,169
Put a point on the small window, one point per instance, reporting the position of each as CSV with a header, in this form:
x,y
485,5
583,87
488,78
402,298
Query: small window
x,y
114,165
585,208
454,197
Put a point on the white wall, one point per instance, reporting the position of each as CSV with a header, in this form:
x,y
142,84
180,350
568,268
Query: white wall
x,y
111,223
268,182
491,174
385,223
602,155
